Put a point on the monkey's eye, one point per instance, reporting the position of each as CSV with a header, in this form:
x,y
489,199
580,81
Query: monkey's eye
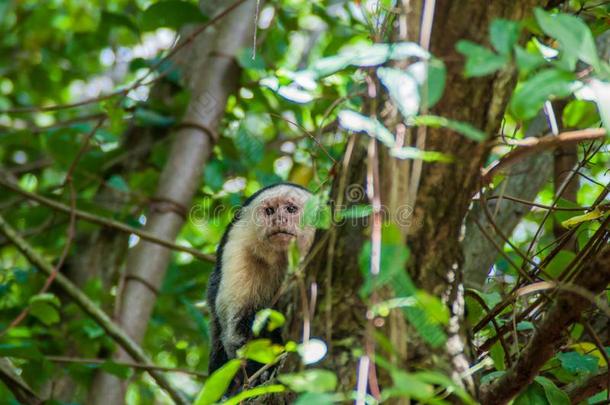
x,y
292,208
269,211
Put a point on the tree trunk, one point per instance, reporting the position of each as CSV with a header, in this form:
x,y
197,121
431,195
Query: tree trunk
x,y
440,204
216,76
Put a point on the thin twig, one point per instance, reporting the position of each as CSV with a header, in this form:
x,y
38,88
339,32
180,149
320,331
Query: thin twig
x,y
89,307
106,222
130,364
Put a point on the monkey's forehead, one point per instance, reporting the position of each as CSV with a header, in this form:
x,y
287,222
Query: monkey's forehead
x,y
280,194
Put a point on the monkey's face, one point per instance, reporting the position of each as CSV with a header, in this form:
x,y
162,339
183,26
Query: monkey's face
x,y
279,220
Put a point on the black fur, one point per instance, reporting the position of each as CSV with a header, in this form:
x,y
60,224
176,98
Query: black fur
x,y
218,355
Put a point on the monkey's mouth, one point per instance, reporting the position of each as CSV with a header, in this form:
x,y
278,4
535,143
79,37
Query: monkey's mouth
x,y
281,236
282,232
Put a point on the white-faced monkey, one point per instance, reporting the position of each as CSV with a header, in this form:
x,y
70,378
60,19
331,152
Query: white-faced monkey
x,y
251,263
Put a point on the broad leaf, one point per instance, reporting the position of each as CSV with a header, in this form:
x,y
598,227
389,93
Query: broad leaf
x,y
255,392
314,380
574,36
461,127
216,384
503,35
403,90
554,395
577,363
480,61
261,350
531,95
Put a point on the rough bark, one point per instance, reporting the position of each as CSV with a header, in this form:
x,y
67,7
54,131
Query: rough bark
x,y
550,332
215,79
441,203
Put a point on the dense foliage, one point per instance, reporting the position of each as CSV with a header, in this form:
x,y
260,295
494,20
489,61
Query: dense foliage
x,y
89,100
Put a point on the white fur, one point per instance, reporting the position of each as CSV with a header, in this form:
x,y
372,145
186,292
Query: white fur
x,y
252,267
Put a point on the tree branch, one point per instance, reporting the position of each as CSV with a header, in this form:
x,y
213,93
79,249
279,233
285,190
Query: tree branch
x,y
530,146
97,314
22,392
566,310
596,383
106,222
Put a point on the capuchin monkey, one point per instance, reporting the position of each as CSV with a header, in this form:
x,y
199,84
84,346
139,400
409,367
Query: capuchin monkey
x,y
251,262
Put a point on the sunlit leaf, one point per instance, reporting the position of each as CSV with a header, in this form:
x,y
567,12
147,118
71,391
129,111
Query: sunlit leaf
x,y
403,90
314,380
356,211
261,350
357,122
460,127
217,383
269,319
255,392
589,216
430,77
559,263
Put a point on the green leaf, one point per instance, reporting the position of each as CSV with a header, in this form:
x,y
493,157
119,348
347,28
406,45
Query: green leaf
x,y
497,354
26,350
554,395
589,216
365,55
503,35
44,307
394,256
119,370
527,61
460,127
403,90
216,384
355,211
534,394
559,263
356,122
255,392
573,35
577,363
261,350
172,14
408,152
430,77
314,380
316,213
408,385
480,61
580,114
531,95
317,398
442,380
270,317
150,118
599,92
